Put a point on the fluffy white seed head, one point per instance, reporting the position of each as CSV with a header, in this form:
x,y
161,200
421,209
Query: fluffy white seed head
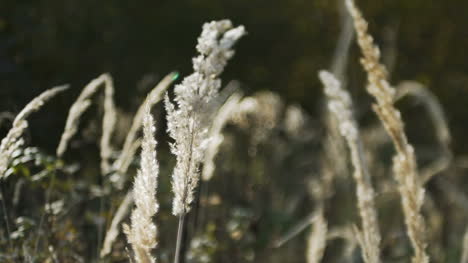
x,y
216,137
196,99
405,168
81,104
13,141
142,233
339,104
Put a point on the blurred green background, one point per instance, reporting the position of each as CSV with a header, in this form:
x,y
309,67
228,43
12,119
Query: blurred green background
x,y
46,43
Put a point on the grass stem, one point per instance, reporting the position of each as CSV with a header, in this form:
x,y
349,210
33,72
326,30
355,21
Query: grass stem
x,y
180,232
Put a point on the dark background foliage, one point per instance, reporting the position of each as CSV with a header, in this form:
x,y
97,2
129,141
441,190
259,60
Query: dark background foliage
x,y
45,43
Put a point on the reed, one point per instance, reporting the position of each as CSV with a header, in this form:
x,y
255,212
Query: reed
x,y
340,104
82,103
13,140
404,163
189,123
142,232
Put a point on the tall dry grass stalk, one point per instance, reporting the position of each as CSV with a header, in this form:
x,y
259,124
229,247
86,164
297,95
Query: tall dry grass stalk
x,y
13,140
333,163
80,106
404,163
341,54
153,97
216,137
317,239
189,123
348,235
297,228
121,165
142,233
441,129
340,104
114,228
464,256
332,160
259,114
108,124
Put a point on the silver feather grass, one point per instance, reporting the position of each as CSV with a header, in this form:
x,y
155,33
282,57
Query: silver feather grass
x,y
404,162
121,165
189,122
216,136
80,106
13,140
142,232
340,104
153,97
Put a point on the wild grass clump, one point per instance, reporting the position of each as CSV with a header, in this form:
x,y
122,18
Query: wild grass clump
x,y
241,178
340,105
404,163
13,141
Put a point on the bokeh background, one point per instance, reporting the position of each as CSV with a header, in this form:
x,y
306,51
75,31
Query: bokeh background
x,y
46,43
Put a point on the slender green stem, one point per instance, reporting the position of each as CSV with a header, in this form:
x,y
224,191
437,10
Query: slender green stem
x,y
100,224
197,215
297,229
180,232
44,211
5,217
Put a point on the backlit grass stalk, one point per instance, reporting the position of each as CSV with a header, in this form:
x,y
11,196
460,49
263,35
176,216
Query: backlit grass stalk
x,y
188,124
464,255
216,136
339,103
127,154
114,229
80,106
142,233
404,163
317,239
121,165
108,124
13,140
441,129
153,97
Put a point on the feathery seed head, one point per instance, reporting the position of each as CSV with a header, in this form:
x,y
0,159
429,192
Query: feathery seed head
x,y
128,151
142,233
196,99
339,104
13,141
405,168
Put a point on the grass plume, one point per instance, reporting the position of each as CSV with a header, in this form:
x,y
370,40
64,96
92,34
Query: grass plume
x,y
13,140
189,123
216,136
152,98
142,232
80,106
404,163
339,103
317,238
